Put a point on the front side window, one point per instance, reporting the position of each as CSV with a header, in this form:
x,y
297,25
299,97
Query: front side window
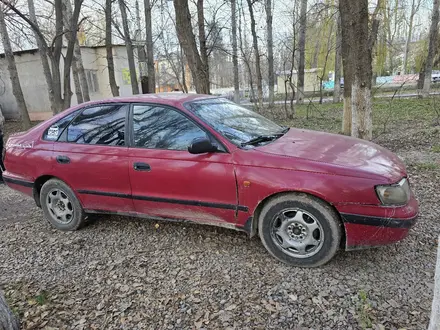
x,y
234,122
158,127
101,125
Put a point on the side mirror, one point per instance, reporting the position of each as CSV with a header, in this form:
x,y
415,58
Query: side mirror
x,y
201,146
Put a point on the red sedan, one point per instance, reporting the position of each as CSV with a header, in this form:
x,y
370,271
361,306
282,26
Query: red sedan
x,y
208,160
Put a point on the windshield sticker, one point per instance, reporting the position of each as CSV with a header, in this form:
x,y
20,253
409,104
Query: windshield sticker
x,y
53,132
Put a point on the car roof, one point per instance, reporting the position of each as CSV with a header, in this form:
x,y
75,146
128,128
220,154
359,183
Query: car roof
x,y
162,98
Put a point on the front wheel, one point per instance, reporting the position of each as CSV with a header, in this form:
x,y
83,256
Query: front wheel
x,y
60,206
300,230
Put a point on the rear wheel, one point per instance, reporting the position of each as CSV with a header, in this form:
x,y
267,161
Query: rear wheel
x,y
60,206
300,230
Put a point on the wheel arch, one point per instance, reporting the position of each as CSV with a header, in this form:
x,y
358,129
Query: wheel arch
x,y
252,225
40,181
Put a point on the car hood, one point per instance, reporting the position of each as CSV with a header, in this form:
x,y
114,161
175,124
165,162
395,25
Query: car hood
x,y
359,157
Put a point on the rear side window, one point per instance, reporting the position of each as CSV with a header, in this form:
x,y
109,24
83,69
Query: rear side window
x,y
56,129
101,125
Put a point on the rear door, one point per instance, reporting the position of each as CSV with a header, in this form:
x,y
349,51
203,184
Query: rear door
x,y
91,157
167,181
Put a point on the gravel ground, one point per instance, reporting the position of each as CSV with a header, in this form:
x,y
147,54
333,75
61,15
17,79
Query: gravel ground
x,y
125,273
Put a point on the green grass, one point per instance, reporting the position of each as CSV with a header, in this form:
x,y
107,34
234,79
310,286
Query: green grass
x,y
436,148
387,115
364,311
42,298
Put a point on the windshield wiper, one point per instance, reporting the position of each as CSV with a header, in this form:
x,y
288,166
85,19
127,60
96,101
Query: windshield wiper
x,y
262,138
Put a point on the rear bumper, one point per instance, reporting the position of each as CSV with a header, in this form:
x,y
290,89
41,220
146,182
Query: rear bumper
x,y
18,184
377,225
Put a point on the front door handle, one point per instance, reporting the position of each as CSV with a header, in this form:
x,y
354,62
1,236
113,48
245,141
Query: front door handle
x,y
63,159
142,167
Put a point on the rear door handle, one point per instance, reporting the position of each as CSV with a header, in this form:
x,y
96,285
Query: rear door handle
x,y
142,167
63,159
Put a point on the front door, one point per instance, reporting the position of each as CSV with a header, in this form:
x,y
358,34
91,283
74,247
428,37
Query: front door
x,y
166,180
91,157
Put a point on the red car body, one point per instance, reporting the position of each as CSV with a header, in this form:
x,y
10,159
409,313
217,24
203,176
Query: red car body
x,y
225,189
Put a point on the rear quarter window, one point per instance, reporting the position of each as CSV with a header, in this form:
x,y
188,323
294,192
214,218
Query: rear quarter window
x,y
54,131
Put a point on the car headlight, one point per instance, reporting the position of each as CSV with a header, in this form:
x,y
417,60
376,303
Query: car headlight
x,y
394,194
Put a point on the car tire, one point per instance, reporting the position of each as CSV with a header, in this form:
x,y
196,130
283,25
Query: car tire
x,y
60,206
300,230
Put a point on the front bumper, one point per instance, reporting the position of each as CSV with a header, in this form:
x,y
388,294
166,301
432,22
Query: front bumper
x,y
370,226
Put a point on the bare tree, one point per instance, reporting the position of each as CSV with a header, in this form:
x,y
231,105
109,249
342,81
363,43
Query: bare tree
x,y
415,5
67,94
235,51
270,63
44,59
54,50
202,39
256,54
150,45
302,51
55,57
189,46
77,62
13,73
338,62
109,48
245,55
79,77
433,36
129,47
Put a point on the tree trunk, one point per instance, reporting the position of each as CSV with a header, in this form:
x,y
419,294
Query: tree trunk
x,y
433,35
81,71
347,62
82,89
13,73
67,21
109,48
2,122
8,321
78,92
257,54
129,47
182,64
270,64
235,51
189,46
150,52
202,40
360,41
42,48
69,52
56,57
302,52
243,48
338,62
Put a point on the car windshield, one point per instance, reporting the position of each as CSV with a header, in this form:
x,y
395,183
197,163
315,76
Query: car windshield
x,y
236,123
